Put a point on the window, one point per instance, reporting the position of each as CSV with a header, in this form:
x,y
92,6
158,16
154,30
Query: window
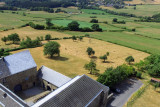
x,y
4,95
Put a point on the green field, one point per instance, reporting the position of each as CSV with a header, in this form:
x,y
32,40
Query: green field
x,y
146,37
141,10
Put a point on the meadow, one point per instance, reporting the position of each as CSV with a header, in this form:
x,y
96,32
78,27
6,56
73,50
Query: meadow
x,y
73,54
141,10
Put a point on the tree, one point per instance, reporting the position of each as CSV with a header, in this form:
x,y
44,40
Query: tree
x,y
3,53
107,54
52,48
87,35
115,20
4,39
29,43
91,66
80,38
49,23
74,38
90,51
96,27
48,37
73,26
156,85
104,57
94,21
113,76
14,37
129,59
139,75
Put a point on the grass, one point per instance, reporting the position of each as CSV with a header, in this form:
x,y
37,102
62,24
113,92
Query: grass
x,y
141,10
150,98
30,32
74,56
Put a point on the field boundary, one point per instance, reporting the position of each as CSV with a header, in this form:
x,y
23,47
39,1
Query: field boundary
x,y
123,45
137,95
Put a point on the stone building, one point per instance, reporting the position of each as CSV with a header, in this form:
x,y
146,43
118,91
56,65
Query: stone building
x,y
50,79
18,72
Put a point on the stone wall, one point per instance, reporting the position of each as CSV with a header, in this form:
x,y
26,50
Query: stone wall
x,y
26,79
46,84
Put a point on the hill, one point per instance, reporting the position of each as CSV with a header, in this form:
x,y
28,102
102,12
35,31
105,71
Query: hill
x,y
143,2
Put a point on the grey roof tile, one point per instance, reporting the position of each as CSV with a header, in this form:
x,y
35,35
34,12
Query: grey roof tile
x,y
53,77
19,62
11,99
4,71
76,93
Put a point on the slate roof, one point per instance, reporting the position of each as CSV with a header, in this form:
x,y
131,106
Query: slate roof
x,y
11,99
76,93
53,77
4,71
19,62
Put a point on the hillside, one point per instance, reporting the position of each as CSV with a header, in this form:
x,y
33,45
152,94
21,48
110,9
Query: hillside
x,y
143,2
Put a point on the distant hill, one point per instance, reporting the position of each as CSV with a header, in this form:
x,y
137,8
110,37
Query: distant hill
x,y
143,2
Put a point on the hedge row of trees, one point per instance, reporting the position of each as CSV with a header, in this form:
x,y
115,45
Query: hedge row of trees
x,y
29,43
13,37
113,76
151,65
73,26
39,3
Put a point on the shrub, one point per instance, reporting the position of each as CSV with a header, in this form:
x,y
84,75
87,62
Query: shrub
x,y
73,26
86,29
94,21
28,43
48,37
113,76
139,75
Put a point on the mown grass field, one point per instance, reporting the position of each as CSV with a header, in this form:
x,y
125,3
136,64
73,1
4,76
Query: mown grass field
x,y
141,10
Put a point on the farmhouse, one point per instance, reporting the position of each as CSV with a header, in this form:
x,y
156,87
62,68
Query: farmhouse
x,y
19,75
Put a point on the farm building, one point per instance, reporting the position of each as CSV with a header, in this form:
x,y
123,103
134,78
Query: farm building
x,y
18,74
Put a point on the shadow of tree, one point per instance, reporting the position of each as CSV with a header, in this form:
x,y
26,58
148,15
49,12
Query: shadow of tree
x,y
60,58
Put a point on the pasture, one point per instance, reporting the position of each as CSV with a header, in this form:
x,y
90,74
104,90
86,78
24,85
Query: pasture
x,y
73,54
30,32
74,57
141,10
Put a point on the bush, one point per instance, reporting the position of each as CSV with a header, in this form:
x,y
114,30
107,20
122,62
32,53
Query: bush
x,y
28,43
113,76
94,21
39,27
133,29
86,29
48,37
139,75
73,26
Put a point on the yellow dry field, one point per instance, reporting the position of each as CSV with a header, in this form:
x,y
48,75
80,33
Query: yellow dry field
x,y
143,2
30,32
150,98
74,56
